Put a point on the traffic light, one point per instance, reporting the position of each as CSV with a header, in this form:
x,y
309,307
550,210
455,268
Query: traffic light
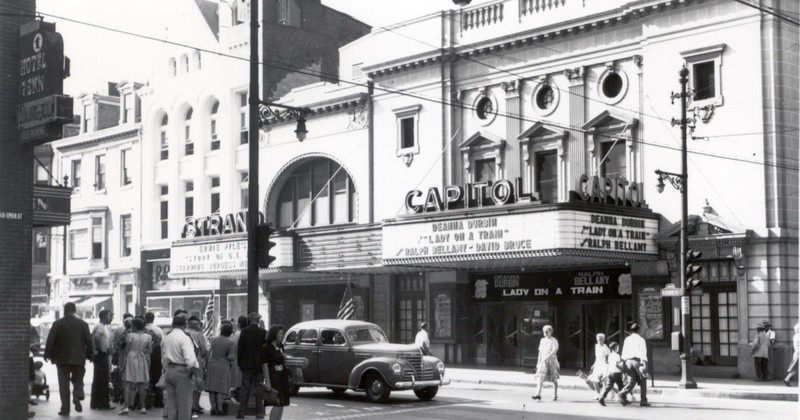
x,y
692,269
264,245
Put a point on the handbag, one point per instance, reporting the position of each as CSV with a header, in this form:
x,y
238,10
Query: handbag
x,y
270,398
162,381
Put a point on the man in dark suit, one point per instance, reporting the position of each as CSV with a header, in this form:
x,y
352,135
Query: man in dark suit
x,y
250,358
69,345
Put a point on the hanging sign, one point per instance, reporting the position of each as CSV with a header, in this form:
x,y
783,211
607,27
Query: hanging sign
x,y
556,285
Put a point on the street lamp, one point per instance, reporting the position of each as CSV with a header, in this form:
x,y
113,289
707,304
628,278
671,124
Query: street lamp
x,y
260,113
679,181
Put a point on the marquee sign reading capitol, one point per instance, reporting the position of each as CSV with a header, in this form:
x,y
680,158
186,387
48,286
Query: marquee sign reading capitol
x,y
529,232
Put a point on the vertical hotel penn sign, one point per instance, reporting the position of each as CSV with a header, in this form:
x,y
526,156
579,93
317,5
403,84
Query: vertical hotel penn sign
x,y
43,109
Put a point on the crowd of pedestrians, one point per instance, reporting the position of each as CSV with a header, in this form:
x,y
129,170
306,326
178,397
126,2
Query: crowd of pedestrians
x,y
138,365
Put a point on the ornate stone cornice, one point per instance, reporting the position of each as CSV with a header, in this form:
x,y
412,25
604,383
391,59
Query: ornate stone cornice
x,y
574,75
512,88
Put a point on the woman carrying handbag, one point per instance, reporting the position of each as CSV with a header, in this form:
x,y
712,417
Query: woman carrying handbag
x,y
276,374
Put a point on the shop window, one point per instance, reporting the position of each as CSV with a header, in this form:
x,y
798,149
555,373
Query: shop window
x,y
98,238
237,305
715,314
76,175
164,138
215,142
125,222
125,159
159,307
705,75
79,244
100,172
546,167
187,133
612,155
41,254
317,193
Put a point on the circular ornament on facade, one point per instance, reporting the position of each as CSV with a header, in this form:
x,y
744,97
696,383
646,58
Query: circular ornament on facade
x,y
612,86
485,109
545,98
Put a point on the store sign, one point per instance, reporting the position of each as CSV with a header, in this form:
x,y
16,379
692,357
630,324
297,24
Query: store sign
x,y
42,69
478,194
610,191
98,285
218,224
550,286
506,236
208,259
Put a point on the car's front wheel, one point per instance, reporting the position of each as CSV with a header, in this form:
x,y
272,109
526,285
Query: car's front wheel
x,y
376,388
426,394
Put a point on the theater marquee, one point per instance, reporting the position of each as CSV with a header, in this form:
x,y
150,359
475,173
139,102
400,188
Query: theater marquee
x,y
516,235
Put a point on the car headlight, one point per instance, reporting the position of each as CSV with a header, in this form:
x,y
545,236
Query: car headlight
x,y
397,369
440,367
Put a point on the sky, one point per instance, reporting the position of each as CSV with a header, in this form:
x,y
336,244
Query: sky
x,y
98,55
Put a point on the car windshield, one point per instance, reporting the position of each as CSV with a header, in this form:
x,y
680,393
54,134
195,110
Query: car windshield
x,y
367,335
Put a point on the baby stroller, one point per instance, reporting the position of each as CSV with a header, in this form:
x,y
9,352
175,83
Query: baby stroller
x,y
37,390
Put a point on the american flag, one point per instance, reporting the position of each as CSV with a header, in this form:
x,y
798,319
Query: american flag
x,y
347,308
210,320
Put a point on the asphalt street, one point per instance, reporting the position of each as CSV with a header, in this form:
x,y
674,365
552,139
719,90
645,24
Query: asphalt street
x,y
473,402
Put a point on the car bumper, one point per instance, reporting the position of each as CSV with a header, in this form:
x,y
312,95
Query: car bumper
x,y
420,384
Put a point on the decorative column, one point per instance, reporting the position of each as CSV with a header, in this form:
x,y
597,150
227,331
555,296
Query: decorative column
x,y
638,158
456,163
512,160
576,146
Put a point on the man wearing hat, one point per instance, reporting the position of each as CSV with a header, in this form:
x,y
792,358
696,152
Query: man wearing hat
x,y
423,340
250,358
634,353
771,337
759,349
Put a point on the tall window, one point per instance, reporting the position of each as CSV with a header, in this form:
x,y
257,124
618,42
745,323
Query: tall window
x,y
164,138
188,202
213,120
412,311
485,170
129,104
173,67
704,78
187,133
407,132
42,171
125,158
547,176
215,194
317,193
244,190
244,135
198,60
613,163
290,13
88,115
76,174
78,244
164,212
100,172
98,238
125,246
185,59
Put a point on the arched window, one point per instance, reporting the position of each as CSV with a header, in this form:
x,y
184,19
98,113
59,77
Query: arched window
x,y
213,119
317,193
187,133
164,137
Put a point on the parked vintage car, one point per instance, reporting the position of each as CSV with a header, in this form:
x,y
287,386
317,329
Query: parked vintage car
x,y
357,355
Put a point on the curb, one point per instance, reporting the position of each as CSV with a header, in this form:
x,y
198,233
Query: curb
x,y
742,395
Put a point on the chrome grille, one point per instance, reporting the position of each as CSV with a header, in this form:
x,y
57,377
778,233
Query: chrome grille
x,y
420,373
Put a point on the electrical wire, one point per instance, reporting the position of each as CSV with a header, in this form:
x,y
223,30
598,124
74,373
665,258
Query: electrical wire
x,y
275,65
772,12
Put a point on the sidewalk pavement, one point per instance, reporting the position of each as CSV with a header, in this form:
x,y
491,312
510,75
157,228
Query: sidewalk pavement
x,y
664,385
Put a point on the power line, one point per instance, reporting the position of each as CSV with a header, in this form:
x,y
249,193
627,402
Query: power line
x,y
275,65
769,12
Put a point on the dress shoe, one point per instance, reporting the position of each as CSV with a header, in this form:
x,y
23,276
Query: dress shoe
x,y
644,404
785,382
624,402
78,407
63,413
602,402
536,397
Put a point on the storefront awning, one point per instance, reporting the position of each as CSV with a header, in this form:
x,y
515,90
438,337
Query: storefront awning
x,y
92,301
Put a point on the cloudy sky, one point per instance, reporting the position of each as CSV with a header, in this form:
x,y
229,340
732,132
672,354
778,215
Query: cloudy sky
x,y
98,55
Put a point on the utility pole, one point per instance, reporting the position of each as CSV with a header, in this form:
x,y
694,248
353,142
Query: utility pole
x,y
252,183
687,380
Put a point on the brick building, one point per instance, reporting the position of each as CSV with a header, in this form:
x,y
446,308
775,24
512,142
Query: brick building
x,y
15,221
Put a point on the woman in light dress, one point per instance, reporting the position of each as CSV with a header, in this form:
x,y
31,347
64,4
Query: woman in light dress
x,y
547,367
600,367
793,366
136,376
